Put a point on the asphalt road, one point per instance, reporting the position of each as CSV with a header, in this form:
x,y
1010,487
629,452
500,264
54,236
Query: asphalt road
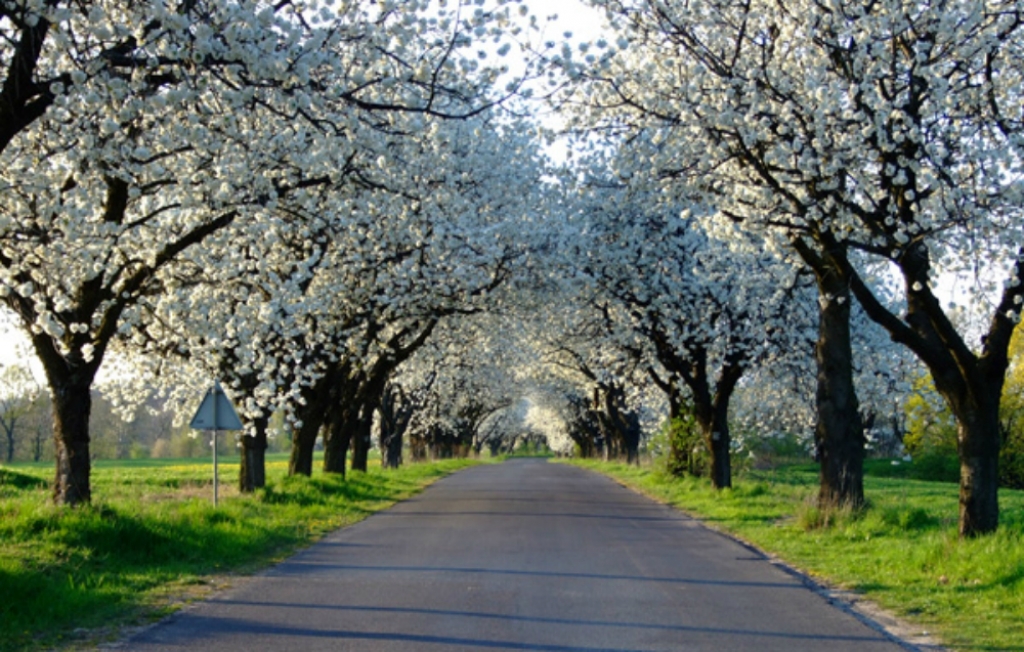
x,y
524,555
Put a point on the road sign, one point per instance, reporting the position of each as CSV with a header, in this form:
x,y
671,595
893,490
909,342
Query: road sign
x,y
216,412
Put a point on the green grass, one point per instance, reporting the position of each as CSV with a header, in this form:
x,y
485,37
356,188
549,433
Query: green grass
x,y
902,552
152,540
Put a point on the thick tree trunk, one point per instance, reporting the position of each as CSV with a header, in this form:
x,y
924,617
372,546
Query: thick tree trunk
x,y
338,437
971,386
72,405
370,396
252,472
303,443
717,437
838,433
633,451
361,440
712,419
313,414
336,446
336,449
979,480
978,444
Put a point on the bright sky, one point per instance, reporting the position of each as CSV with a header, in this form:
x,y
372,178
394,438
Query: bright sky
x,y
573,16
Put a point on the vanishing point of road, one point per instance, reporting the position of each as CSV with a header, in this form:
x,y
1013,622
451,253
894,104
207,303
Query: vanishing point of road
x,y
524,555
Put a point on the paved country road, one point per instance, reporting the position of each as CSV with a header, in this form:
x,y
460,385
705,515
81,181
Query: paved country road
x,y
524,555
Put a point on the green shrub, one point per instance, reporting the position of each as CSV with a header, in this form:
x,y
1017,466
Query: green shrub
x,y
684,450
1011,461
936,466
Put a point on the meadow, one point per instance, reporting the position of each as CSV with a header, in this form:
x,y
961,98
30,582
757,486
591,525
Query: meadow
x,y
901,553
152,540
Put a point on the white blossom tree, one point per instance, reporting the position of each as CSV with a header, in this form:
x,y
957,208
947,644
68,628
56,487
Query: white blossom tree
x,y
862,131
703,300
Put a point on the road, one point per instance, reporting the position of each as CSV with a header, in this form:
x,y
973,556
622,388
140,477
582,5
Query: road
x,y
525,555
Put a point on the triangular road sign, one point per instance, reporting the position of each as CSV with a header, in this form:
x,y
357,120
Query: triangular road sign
x,y
216,412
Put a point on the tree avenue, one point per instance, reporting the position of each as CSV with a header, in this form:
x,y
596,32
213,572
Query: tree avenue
x,y
883,131
346,213
133,132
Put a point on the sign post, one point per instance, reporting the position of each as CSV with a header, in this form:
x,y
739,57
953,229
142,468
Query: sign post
x,y
216,413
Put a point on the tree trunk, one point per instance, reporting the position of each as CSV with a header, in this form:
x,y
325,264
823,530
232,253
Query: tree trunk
x,y
396,411
72,405
337,438
979,478
971,386
716,422
252,472
303,443
361,440
633,451
978,444
391,450
312,414
716,435
838,433
711,414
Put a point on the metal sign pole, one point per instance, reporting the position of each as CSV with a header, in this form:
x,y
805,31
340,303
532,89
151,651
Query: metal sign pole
x,y
215,445
213,417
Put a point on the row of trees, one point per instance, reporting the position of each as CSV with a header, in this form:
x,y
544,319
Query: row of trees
x,y
881,142
264,193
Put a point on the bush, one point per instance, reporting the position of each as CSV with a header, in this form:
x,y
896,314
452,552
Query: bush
x,y
771,451
684,451
1011,461
936,466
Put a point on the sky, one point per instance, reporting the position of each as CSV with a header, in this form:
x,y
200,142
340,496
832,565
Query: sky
x,y
573,15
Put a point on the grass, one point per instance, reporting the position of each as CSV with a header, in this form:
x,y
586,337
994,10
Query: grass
x,y
152,541
902,552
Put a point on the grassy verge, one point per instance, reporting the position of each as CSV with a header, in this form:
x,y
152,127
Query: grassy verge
x,y
902,553
152,540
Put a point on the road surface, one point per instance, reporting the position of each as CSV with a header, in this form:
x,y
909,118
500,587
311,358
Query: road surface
x,y
524,555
